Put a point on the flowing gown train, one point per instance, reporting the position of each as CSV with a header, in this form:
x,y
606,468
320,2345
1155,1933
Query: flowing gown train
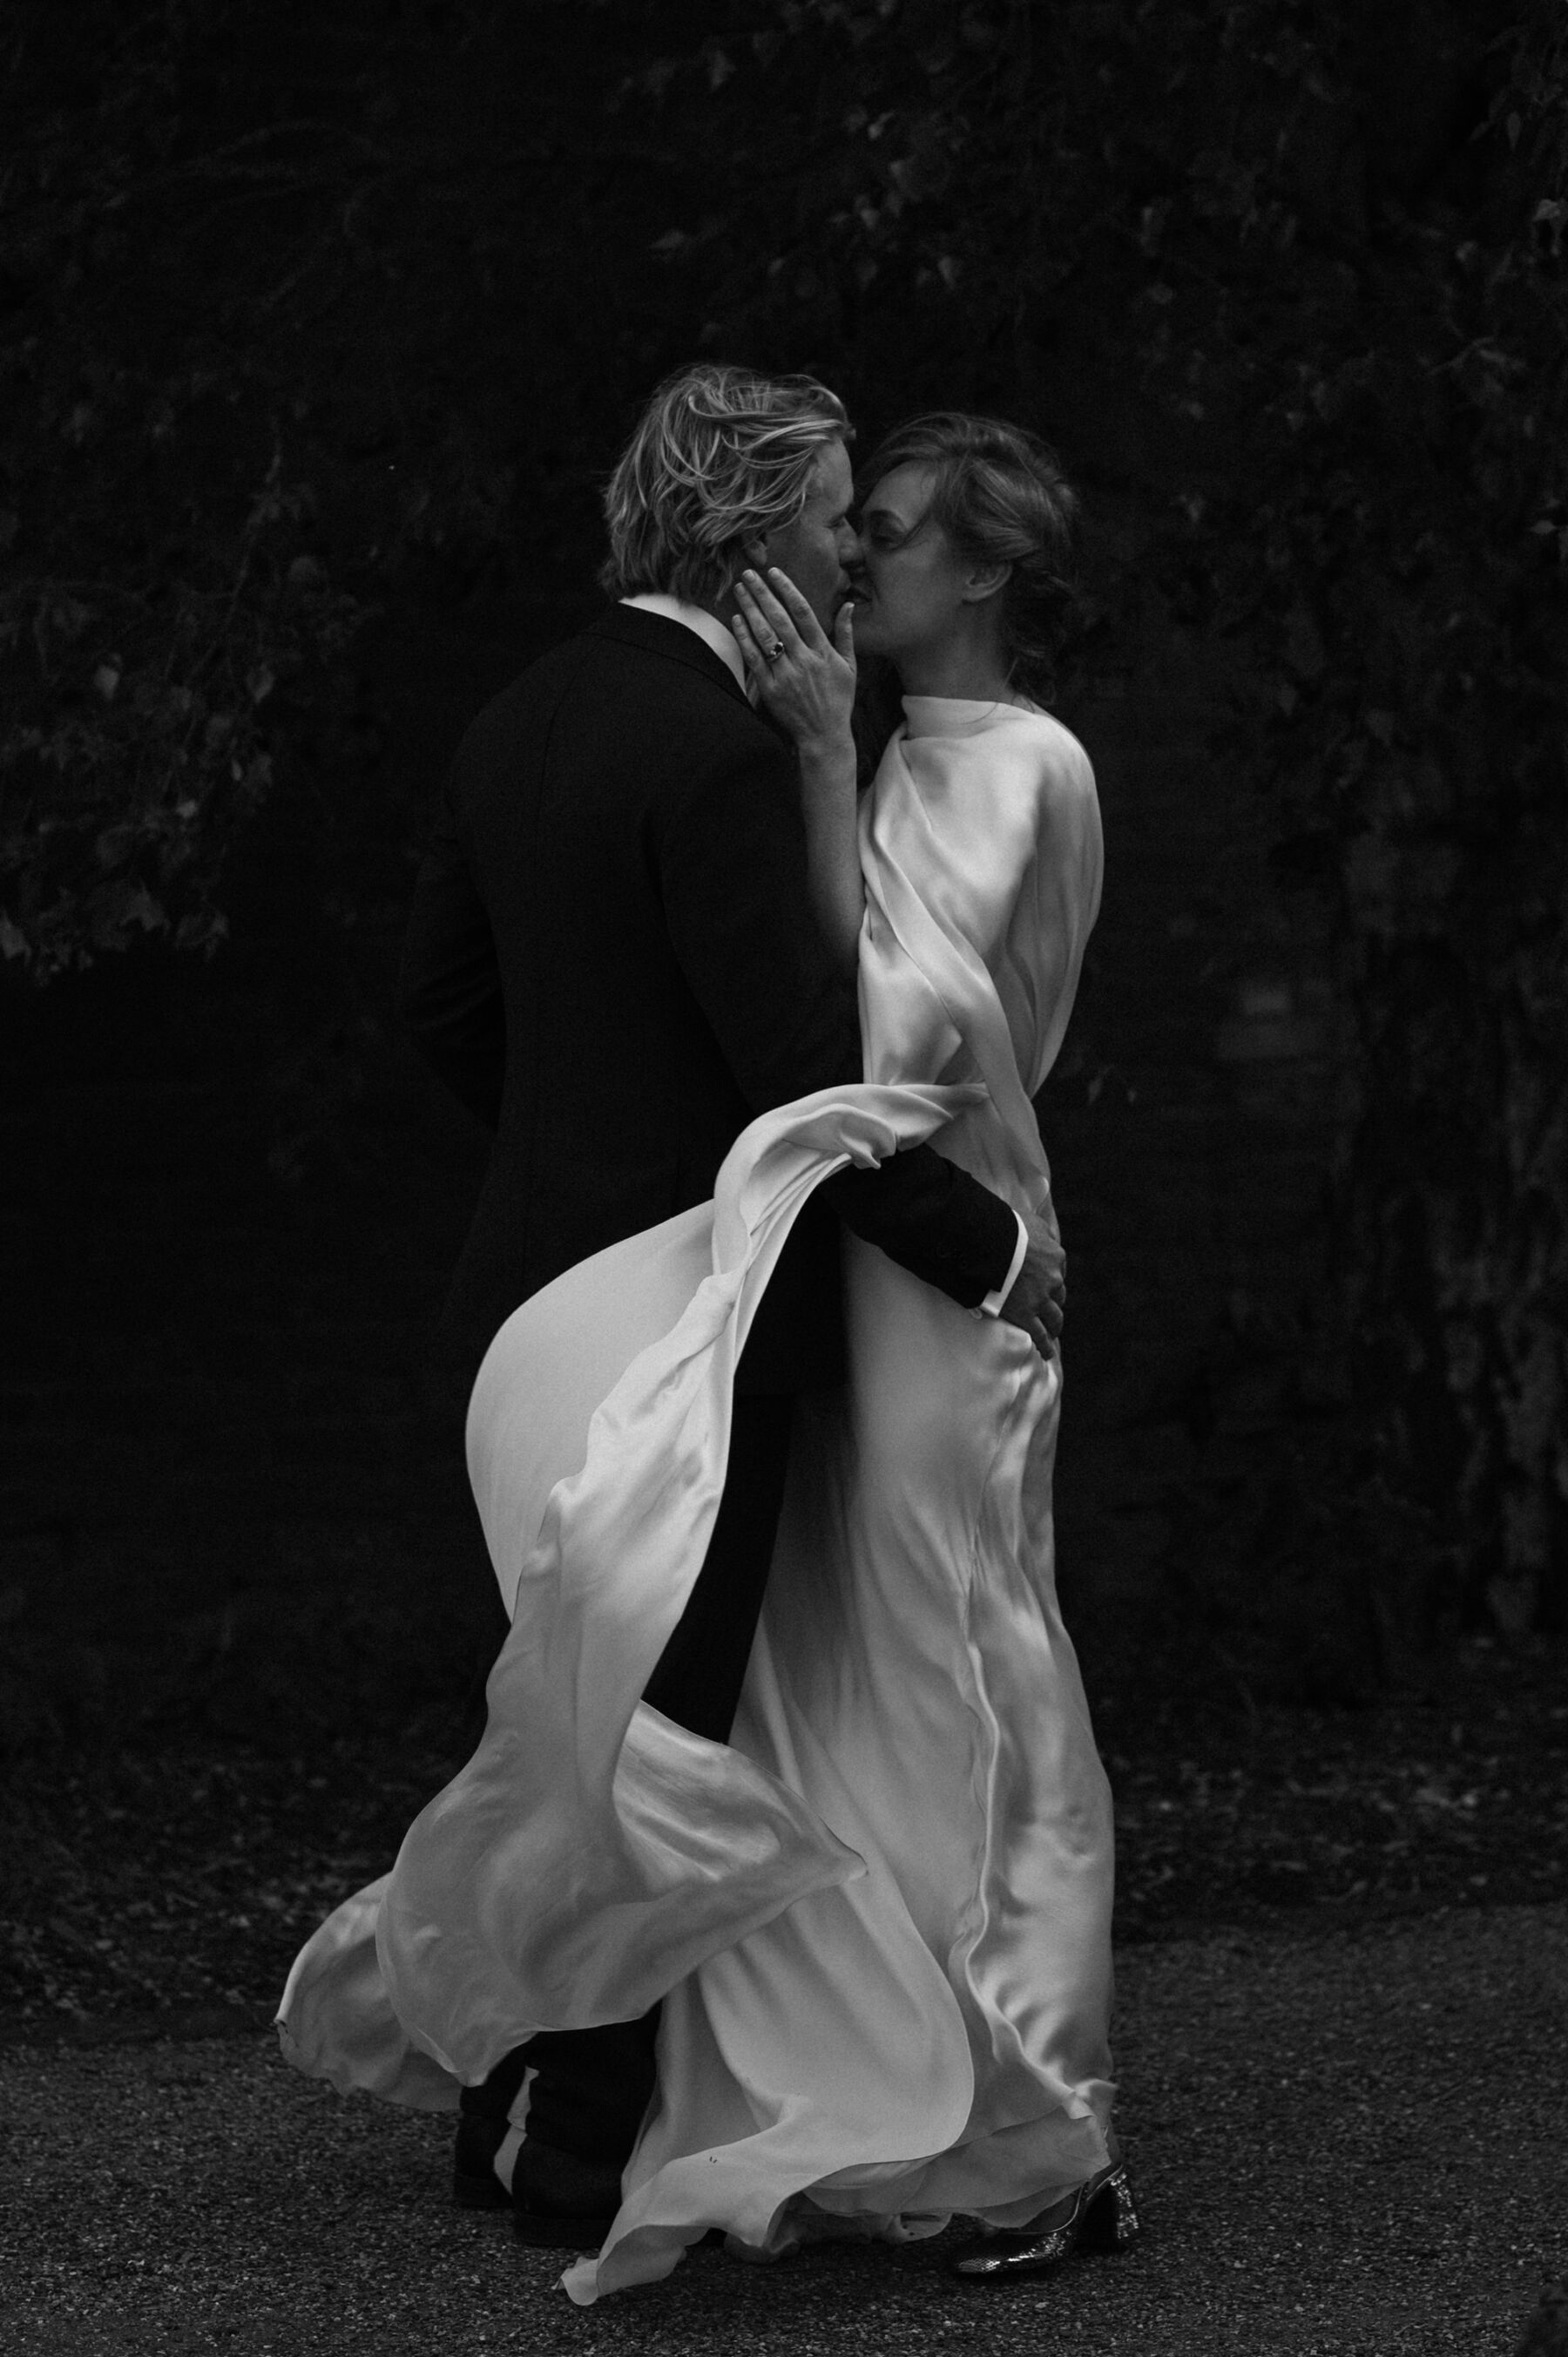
x,y
879,1916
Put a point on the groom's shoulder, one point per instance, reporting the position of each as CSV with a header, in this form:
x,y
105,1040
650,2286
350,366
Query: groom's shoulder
x,y
624,671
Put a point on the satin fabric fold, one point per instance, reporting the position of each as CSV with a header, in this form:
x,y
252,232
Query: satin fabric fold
x,y
591,1853
879,1916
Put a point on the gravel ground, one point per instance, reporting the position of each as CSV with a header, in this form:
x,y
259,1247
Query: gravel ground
x,y
1343,1960
1344,2142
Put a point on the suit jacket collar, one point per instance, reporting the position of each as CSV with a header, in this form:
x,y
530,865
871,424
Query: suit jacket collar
x,y
656,634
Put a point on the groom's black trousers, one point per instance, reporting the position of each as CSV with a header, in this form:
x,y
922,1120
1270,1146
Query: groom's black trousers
x,y
593,2085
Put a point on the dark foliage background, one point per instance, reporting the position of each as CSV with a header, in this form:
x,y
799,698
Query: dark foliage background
x,y
319,326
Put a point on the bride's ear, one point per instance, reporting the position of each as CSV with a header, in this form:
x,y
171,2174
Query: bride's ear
x,y
984,581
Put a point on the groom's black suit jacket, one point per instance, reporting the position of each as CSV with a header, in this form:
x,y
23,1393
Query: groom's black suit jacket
x,y
613,959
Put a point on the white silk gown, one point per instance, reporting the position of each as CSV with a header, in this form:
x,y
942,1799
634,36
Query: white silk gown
x,y
879,1918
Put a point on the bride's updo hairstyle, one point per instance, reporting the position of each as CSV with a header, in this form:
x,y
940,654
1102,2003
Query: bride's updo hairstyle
x,y
1002,499
720,456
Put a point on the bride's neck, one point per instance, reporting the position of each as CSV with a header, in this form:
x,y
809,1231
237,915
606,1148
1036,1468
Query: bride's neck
x,y
967,666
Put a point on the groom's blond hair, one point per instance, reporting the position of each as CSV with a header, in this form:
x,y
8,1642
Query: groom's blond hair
x,y
721,456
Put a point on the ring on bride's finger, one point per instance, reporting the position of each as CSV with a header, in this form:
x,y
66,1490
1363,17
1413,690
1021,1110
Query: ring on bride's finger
x,y
775,650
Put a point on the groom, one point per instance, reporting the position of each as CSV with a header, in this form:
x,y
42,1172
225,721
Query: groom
x,y
613,959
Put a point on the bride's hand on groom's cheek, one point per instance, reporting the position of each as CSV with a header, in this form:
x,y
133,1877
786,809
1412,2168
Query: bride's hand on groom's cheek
x,y
805,679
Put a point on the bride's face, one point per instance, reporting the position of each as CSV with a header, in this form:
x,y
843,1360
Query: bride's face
x,y
910,584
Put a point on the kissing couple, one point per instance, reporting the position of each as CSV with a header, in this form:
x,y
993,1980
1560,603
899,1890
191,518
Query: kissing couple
x,y
776,1899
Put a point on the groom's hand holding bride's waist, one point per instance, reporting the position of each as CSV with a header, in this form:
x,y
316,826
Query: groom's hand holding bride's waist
x,y
1038,1303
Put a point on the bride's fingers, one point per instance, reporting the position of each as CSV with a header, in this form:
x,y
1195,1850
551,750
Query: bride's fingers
x,y
775,615
843,631
758,602
750,651
798,606
766,631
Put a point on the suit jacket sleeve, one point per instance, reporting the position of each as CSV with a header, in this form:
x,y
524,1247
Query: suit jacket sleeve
x,y
732,862
449,989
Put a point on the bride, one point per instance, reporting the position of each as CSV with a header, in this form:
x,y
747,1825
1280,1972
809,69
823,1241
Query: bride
x,y
878,1917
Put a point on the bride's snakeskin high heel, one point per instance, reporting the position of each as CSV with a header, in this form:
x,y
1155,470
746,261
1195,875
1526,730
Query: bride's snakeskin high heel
x,y
1101,2219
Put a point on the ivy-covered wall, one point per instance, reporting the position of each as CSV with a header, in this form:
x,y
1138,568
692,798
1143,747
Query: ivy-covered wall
x,y
319,326
232,1487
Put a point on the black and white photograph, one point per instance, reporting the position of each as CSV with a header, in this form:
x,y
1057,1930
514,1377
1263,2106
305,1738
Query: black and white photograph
x,y
784,1088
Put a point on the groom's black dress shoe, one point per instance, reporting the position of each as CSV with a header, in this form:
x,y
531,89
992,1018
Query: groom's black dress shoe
x,y
474,2185
484,2118
559,2202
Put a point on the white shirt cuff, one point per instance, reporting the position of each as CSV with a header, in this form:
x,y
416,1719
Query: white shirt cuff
x,y
991,1305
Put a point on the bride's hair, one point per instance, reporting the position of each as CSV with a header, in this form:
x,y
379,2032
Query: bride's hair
x,y
720,455
1001,497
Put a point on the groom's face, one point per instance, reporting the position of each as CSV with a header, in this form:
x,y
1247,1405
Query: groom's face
x,y
818,548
